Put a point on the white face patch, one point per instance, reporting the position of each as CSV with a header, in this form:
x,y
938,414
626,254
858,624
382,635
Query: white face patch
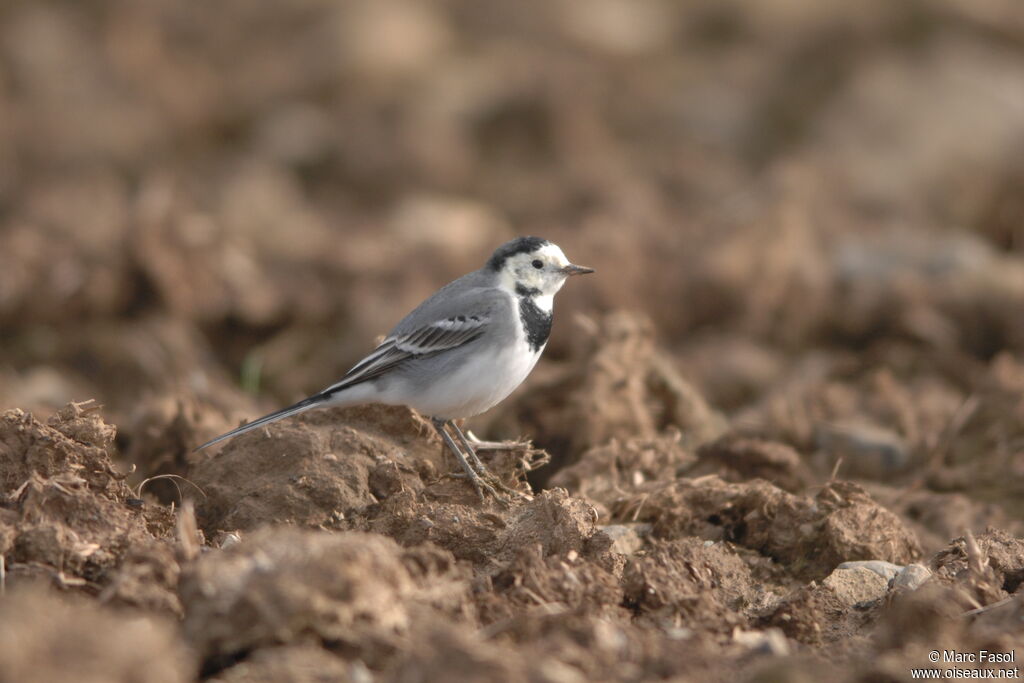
x,y
553,254
521,273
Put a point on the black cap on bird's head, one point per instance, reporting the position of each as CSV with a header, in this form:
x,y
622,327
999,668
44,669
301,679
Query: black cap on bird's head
x,y
520,245
532,264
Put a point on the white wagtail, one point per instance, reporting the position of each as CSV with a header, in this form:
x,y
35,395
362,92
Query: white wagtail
x,y
459,352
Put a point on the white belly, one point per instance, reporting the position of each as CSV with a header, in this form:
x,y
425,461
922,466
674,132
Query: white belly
x,y
478,384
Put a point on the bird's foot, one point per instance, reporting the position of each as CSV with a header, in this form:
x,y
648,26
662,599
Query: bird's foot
x,y
472,469
481,445
486,480
481,483
505,488
485,474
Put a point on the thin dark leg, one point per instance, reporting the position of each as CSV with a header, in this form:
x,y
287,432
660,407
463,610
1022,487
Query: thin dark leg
x,y
474,478
470,451
487,474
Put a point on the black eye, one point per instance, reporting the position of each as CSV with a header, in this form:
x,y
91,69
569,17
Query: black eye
x,y
538,264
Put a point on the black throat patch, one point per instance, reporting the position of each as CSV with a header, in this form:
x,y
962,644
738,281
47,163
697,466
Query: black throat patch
x,y
536,322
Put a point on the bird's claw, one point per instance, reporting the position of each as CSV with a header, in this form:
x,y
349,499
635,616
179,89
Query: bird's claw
x,y
483,480
475,471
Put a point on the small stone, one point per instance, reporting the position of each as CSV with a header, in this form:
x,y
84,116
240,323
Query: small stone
x,y
887,570
226,539
626,538
866,449
771,641
911,578
360,674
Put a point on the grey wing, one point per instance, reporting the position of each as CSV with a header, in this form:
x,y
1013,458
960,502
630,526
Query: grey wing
x,y
437,325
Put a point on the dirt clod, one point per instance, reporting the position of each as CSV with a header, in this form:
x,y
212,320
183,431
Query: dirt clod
x,y
50,637
622,386
68,519
854,585
281,586
811,536
777,435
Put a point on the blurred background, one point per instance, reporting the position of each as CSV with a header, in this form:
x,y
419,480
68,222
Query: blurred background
x,y
815,209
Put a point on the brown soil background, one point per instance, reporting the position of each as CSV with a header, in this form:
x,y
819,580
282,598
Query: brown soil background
x,y
804,344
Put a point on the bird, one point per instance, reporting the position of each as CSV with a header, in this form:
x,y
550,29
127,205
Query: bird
x,y
460,352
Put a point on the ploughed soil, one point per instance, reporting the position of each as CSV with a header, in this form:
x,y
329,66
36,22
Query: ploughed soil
x,y
779,435
673,545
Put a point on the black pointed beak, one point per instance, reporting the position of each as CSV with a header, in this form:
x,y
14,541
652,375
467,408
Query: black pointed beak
x,y
573,269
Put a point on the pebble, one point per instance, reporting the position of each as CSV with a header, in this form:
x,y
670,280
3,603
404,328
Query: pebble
x,y
626,538
911,578
887,570
866,449
771,641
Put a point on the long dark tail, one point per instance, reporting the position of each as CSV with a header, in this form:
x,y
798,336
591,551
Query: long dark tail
x,y
300,407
